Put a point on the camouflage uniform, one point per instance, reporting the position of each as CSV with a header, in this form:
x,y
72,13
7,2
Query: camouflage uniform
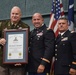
x,y
10,69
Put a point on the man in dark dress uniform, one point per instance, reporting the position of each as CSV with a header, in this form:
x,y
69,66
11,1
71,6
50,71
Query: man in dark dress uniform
x,y
41,48
14,23
65,50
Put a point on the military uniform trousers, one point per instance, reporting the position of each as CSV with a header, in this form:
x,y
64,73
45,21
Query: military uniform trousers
x,y
3,71
17,71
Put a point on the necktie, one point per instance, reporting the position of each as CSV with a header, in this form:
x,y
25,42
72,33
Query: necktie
x,y
59,36
12,26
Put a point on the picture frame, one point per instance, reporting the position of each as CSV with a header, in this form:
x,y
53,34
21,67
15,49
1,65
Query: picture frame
x,y
16,48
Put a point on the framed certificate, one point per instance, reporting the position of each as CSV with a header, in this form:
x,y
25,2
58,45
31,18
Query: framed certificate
x,y
16,47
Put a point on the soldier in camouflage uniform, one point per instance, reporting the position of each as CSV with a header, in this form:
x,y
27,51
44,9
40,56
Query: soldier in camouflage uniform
x,y
14,23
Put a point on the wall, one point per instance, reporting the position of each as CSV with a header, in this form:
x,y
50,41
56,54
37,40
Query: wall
x,y
29,7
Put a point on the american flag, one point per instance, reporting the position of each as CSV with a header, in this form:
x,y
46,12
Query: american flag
x,y
71,14
56,13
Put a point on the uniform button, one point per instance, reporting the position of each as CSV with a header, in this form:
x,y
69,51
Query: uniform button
x,y
55,54
69,65
55,49
55,45
56,59
63,44
62,37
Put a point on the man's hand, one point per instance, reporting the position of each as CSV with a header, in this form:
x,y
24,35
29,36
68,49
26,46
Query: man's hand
x,y
2,41
72,71
40,69
18,64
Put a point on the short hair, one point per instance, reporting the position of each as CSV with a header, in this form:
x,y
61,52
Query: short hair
x,y
63,18
16,7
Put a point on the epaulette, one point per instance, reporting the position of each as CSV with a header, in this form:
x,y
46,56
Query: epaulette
x,y
72,31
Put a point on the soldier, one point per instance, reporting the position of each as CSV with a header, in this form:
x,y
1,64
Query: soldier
x,y
41,47
65,50
14,23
